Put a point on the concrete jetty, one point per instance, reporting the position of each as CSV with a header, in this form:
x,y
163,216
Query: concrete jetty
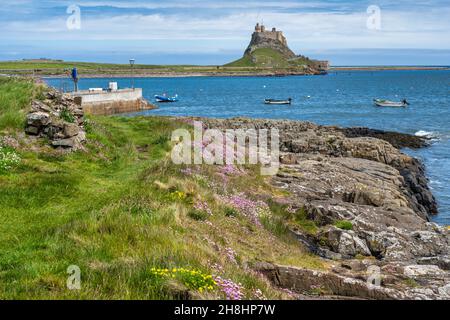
x,y
108,102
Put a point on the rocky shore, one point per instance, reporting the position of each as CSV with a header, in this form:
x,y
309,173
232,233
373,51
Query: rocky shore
x,y
371,203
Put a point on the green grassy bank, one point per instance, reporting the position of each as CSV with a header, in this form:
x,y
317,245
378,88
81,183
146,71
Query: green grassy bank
x,y
269,58
138,226
87,69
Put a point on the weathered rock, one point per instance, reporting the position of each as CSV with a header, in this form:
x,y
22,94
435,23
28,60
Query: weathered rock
x,y
346,243
64,143
39,106
31,130
305,281
441,262
364,281
71,130
398,140
445,291
367,181
335,175
38,119
45,120
423,270
81,137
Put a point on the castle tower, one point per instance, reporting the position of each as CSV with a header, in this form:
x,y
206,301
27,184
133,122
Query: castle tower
x,y
258,28
263,28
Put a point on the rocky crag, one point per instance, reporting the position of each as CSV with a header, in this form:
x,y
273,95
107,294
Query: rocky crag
x,y
59,119
371,205
269,49
269,39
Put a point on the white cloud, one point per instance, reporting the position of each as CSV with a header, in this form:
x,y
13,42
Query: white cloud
x,y
326,29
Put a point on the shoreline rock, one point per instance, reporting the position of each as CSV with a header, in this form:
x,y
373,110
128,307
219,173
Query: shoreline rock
x,y
337,175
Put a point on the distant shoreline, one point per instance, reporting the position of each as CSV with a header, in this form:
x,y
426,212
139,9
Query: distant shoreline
x,y
52,71
388,68
240,74
181,75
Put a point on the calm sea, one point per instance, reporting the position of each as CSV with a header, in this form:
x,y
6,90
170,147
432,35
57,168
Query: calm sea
x,y
342,98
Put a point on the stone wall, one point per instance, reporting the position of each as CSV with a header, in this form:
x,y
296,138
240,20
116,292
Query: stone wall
x,y
58,119
273,35
116,107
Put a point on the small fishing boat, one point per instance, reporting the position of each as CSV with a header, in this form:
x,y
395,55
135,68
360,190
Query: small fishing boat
x,y
274,101
387,103
165,98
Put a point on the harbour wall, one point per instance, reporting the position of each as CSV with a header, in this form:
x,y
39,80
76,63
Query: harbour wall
x,y
112,102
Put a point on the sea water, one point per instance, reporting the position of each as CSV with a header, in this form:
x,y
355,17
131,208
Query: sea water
x,y
340,98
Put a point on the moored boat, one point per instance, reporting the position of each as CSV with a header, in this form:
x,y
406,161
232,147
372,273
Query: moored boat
x,y
387,103
165,98
274,101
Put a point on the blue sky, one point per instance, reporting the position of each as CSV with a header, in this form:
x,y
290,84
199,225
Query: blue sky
x,y
215,32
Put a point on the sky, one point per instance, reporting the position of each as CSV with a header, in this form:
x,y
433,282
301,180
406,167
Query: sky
x,y
348,32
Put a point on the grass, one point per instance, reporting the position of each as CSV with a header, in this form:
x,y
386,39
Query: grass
x,y
67,116
68,65
344,225
284,219
262,57
120,210
61,68
269,58
15,98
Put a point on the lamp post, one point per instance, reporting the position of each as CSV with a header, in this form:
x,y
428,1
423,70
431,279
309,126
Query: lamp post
x,y
132,61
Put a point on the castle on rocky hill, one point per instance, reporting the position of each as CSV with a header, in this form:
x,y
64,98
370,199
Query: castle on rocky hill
x,y
274,39
270,50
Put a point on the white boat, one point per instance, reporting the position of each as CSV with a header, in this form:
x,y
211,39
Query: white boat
x,y
273,101
387,103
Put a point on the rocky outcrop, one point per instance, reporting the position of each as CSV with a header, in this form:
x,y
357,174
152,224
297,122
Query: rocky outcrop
x,y
362,280
262,40
367,198
269,49
58,119
396,139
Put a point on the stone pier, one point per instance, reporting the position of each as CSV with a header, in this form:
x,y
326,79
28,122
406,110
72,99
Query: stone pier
x,y
106,102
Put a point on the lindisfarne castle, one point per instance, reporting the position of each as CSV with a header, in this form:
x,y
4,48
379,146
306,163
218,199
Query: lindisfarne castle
x,y
269,48
273,39
274,34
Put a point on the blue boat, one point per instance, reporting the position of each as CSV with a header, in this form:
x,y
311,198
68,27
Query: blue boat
x,y
165,98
